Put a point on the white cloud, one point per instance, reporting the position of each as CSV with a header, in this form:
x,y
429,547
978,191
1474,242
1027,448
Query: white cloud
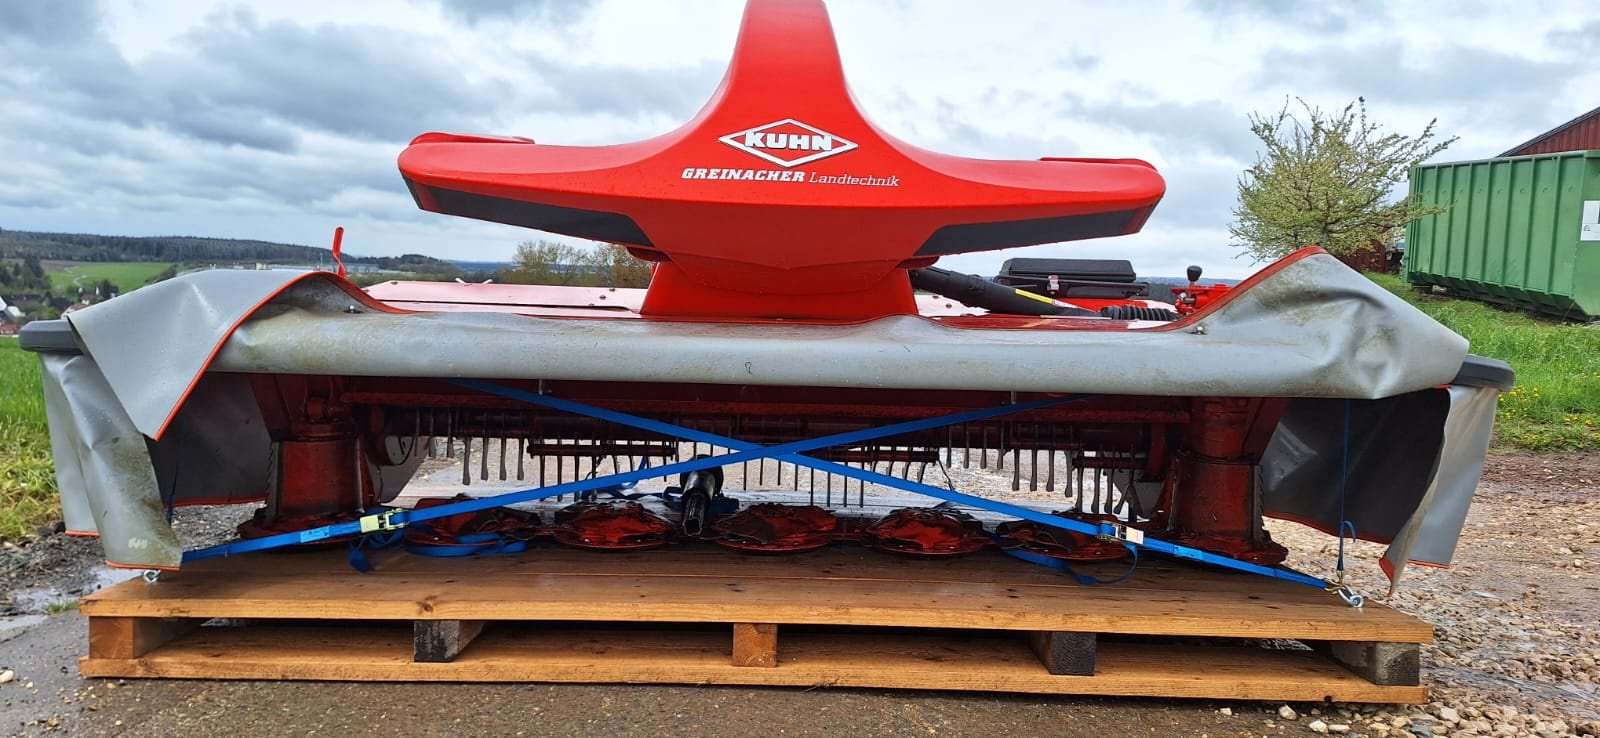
x,y
278,120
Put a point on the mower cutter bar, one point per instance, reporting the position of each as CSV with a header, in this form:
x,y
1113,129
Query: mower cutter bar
x,y
398,518
1105,531
744,451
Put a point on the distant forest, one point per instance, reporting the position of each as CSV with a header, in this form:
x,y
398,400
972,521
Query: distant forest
x,y
193,250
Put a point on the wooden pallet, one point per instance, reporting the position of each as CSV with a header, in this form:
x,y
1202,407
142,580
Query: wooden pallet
x,y
700,615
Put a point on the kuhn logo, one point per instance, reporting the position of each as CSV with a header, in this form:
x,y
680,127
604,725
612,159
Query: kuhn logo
x,y
788,142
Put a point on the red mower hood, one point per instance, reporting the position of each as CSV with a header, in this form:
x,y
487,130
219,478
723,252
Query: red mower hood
x,y
779,199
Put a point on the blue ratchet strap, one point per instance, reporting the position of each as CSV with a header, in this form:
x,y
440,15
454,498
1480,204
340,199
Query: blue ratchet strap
x,y
672,498
1062,566
1344,491
1130,537
614,492
473,544
617,491
1343,527
1065,568
611,493
1337,586
382,539
394,519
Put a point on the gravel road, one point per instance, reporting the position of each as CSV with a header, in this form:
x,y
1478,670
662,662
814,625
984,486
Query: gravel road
x,y
1517,620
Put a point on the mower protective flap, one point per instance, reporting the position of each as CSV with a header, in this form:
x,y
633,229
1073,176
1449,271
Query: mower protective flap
x,y
122,410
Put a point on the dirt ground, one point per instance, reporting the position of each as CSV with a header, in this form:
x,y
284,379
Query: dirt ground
x,y
1517,620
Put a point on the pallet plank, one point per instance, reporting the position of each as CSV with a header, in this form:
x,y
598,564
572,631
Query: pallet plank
x,y
1015,629
837,562
489,590
810,659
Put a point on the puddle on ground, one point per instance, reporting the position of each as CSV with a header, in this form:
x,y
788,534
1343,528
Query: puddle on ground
x,y
12,626
31,602
1574,697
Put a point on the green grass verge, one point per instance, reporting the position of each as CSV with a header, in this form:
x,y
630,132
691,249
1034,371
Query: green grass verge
x,y
1556,403
126,275
27,473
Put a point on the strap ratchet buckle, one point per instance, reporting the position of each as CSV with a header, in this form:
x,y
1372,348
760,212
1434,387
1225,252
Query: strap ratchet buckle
x,y
1120,532
381,521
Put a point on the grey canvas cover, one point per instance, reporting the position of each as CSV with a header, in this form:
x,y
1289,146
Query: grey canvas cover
x,y
1309,329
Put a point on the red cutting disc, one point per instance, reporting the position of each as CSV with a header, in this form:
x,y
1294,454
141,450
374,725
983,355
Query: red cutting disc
x,y
509,523
754,547
927,531
1060,543
569,538
610,526
775,528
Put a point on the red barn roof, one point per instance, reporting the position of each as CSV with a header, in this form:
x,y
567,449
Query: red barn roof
x,y
1579,134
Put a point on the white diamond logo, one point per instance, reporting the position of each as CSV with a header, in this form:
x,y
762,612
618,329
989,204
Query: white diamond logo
x,y
788,142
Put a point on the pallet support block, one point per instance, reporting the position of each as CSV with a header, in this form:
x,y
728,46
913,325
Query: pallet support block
x,y
130,638
1065,654
440,641
1386,664
755,644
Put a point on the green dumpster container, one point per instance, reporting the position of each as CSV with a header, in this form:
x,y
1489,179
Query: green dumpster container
x,y
1522,230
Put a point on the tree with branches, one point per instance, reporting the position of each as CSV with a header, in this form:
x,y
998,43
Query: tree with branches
x,y
1326,179
555,262
615,267
545,262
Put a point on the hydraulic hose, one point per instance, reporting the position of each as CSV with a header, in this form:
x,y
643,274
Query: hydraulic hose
x,y
975,291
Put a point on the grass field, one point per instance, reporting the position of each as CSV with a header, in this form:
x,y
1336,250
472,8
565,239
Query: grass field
x,y
27,476
126,275
1556,403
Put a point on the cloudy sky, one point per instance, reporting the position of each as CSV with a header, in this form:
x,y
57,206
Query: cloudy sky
x,y
281,119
